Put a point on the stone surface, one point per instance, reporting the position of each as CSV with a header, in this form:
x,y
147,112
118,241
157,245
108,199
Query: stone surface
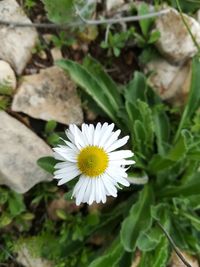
x,y
7,76
176,262
49,95
56,53
169,81
198,15
175,43
27,259
20,149
16,43
112,4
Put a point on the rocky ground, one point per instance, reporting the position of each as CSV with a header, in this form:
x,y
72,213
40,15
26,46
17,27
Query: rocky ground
x,y
38,91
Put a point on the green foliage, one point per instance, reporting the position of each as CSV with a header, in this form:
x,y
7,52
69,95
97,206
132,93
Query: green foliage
x,y
64,12
186,5
116,41
47,163
171,162
138,221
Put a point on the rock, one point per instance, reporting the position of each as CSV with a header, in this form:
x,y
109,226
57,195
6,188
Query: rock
x,y
176,262
112,4
56,54
169,81
16,42
175,43
20,149
27,258
49,95
7,77
198,16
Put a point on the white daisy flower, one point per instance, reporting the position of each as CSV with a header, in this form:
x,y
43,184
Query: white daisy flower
x,y
90,154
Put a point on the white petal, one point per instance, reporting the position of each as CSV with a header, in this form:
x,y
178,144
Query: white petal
x,y
66,178
78,185
97,134
66,153
84,129
78,136
88,191
121,162
63,175
113,137
110,188
119,143
121,154
58,156
66,170
71,145
64,164
92,197
118,171
106,134
90,133
80,194
70,136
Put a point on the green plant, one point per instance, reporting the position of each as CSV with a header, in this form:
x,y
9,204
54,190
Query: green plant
x,y
116,41
167,151
6,92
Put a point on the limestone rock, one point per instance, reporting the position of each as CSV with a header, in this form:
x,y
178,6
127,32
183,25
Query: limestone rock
x,y
27,258
170,82
7,76
112,4
56,53
16,43
198,16
176,262
49,95
20,149
175,43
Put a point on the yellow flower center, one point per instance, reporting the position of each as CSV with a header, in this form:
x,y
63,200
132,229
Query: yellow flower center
x,y
92,161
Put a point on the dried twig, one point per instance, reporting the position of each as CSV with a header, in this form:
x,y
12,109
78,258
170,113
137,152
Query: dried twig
x,y
121,19
14,24
178,253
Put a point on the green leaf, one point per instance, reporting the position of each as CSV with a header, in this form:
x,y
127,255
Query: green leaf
x,y
145,24
5,219
90,84
160,256
59,12
47,163
194,97
187,6
61,214
150,239
136,88
53,139
111,258
50,126
138,221
110,87
16,204
189,189
154,36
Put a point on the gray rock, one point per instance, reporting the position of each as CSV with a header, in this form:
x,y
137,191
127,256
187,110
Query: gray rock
x,y
112,4
171,82
20,149
27,258
16,42
49,95
7,76
175,43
